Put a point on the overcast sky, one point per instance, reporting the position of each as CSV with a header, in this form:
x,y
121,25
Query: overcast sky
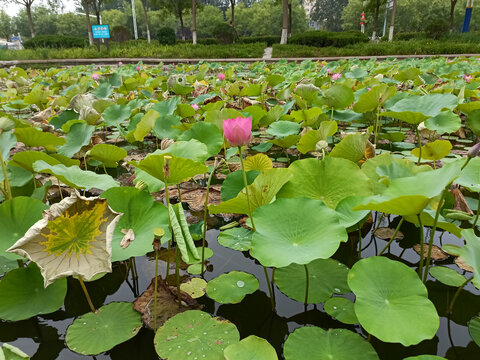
x,y
12,9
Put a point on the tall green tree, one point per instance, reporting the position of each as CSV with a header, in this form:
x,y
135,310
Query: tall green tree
x,y
145,17
329,13
178,8
453,3
28,6
285,12
374,6
6,26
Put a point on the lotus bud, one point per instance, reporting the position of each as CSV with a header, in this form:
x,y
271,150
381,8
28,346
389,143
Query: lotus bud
x,y
138,68
221,77
95,76
195,107
336,76
238,131
474,150
321,145
421,126
120,63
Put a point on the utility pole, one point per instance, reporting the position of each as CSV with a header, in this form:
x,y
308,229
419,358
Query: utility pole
x,y
135,31
468,16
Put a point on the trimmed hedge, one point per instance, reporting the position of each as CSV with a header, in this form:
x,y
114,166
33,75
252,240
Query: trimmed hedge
x,y
269,39
55,42
166,36
326,38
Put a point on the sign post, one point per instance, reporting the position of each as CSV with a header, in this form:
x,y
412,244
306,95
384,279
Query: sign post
x,y
101,32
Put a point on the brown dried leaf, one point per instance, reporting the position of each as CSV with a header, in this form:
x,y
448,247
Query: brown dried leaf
x,y
460,203
386,233
437,253
463,265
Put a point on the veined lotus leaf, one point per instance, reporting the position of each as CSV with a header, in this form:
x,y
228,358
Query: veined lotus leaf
x,y
115,114
275,79
309,92
329,180
35,137
286,142
308,116
470,253
24,296
194,287
326,277
295,231
425,357
428,219
314,343
107,154
447,276
445,122
181,169
384,168
6,265
73,238
473,121
352,147
388,308
182,234
16,217
7,142
252,347
77,137
103,91
10,352
193,334
261,192
341,309
338,96
6,124
410,195
192,149
232,287
309,141
234,183
373,99
470,175
237,238
111,325
152,183
434,151
346,215
141,214
26,159
75,177
146,124
474,329
167,127
259,162
206,133
281,129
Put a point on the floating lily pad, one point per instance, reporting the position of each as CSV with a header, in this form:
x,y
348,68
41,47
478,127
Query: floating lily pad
x,y
389,309
252,347
10,352
447,276
474,329
295,231
341,309
314,343
283,129
232,287
434,151
237,239
194,287
326,277
24,296
112,324
195,334
386,233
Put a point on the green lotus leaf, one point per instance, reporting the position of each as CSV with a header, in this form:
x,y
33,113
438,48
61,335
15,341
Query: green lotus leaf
x,y
309,141
26,159
24,296
232,287
410,195
373,99
6,265
286,142
234,183
75,177
115,114
389,309
167,127
252,347
146,124
326,277
261,192
470,175
237,239
6,124
275,79
192,149
341,309
445,122
17,176
16,217
338,96
295,231
79,136
470,253
473,121
447,276
259,162
152,183
33,137
309,117
329,180
181,169
107,154
141,214
425,357
474,329
314,343
434,151
346,215
167,107
206,133
410,73
112,324
185,110
65,160
10,352
103,91
193,334
7,142
392,136
182,234
194,287
309,92
352,147
428,219
73,238
256,112
281,129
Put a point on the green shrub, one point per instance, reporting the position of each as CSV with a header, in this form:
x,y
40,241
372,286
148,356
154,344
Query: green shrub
x,y
269,39
325,38
121,34
408,36
55,42
437,29
207,41
166,36
224,33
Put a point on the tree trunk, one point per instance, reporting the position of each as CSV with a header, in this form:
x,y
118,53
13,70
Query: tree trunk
x,y
96,8
30,21
289,19
89,26
232,3
181,23
392,21
194,22
453,3
375,20
145,15
283,40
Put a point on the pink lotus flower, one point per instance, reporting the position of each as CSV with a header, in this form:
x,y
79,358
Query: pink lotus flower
x,y
95,76
120,63
238,131
467,78
195,107
336,76
328,70
439,80
165,67
138,68
221,77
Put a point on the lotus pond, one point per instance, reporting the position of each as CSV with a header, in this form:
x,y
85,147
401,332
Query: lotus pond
x,y
241,211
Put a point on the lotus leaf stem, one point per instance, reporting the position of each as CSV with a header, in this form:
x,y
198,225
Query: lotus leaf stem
x,y
177,274
270,288
179,194
167,199
246,187
8,191
457,293
432,233
307,285
85,291
155,293
205,214
478,212
379,222
376,127
392,237
419,146
359,243
420,224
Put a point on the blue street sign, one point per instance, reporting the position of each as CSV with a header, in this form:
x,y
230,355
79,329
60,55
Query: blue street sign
x,y
101,31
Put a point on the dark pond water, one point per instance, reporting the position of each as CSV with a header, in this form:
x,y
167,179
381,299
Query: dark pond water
x,y
42,337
